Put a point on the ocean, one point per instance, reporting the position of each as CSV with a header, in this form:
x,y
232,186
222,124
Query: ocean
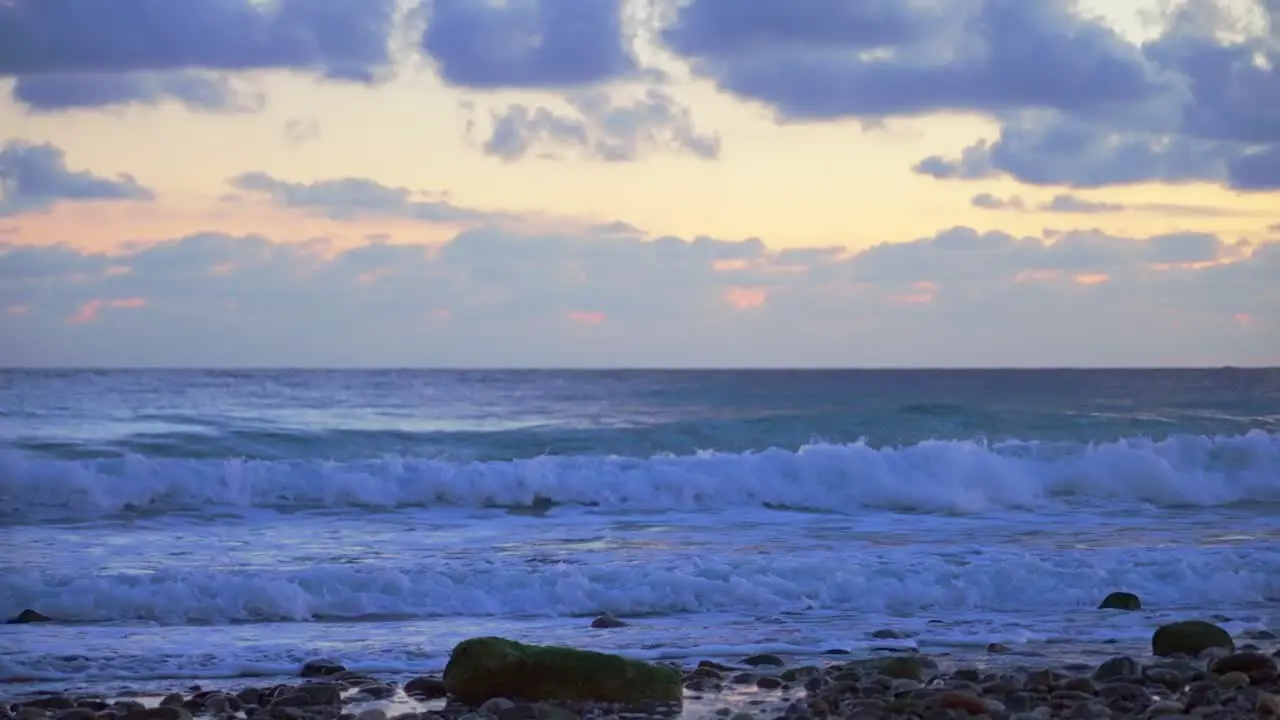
x,y
221,526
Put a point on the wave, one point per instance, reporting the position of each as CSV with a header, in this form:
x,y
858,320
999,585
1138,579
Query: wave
x,y
929,477
880,581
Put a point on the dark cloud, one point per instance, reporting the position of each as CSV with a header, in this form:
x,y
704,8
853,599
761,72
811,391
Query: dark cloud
x,y
73,53
351,199
1215,119
196,90
1079,105
492,298
36,177
600,129
828,59
527,44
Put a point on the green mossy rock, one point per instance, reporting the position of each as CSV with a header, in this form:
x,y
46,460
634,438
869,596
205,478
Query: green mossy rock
x,y
920,668
489,667
1121,601
1190,637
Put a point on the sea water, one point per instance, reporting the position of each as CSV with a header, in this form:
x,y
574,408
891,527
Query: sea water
x,y
213,526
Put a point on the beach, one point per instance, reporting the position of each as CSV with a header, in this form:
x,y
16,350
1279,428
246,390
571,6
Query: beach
x,y
1220,682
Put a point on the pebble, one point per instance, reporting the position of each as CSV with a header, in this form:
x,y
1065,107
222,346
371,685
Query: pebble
x,y
1219,686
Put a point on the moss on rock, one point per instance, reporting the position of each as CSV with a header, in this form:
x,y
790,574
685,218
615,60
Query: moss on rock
x,y
488,667
1189,637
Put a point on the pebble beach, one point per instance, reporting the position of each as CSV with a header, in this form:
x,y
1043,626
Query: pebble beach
x,y
1238,680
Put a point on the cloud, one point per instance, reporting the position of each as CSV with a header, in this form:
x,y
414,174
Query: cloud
x,y
70,53
197,90
1066,203
489,297
301,130
987,201
527,44
1079,104
600,129
350,199
34,178
882,58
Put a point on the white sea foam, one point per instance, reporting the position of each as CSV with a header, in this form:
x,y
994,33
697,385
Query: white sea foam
x,y
857,578
936,476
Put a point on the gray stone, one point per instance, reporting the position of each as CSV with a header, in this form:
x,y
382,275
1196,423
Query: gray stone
x,y
1118,668
50,702
322,693
607,621
320,667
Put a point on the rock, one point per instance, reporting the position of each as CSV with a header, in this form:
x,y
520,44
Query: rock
x,y
32,713
166,712
78,714
962,700
1259,635
1118,668
998,648
763,659
425,687
888,634
769,682
488,667
1165,707
493,706
172,699
1081,685
51,702
28,616
1120,601
607,621
325,693
1190,637
1233,680
292,700
1245,662
912,667
320,668
372,714
1268,705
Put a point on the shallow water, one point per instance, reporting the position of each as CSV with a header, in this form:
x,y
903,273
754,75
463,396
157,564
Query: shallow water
x,y
217,526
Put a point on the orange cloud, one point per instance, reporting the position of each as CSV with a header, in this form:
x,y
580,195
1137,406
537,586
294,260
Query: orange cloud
x,y
746,298
442,315
1027,276
1243,318
926,291
586,317
373,276
1092,278
17,310
89,311
730,265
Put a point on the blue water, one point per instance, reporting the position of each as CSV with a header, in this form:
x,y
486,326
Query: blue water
x,y
378,517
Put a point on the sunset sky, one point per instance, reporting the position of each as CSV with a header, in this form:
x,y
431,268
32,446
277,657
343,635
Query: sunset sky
x,y
639,182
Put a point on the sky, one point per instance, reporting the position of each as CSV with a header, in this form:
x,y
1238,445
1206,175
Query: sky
x,y
639,183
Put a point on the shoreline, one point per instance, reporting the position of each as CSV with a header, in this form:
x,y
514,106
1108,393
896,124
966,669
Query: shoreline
x,y
1217,684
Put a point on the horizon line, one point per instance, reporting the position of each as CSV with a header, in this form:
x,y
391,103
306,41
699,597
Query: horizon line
x,y
628,368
